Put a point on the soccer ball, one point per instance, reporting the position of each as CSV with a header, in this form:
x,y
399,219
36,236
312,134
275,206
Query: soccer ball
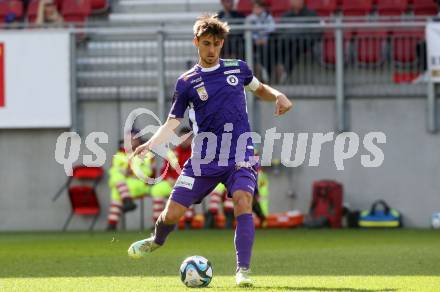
x,y
435,221
196,272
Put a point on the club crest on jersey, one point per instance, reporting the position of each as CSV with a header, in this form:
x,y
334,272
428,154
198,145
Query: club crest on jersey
x,y
203,94
232,80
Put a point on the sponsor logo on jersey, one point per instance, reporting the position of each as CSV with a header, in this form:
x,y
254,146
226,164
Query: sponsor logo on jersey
x,y
196,80
236,71
199,85
203,94
232,80
230,63
185,182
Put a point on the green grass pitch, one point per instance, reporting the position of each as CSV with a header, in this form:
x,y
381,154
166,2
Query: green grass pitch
x,y
283,260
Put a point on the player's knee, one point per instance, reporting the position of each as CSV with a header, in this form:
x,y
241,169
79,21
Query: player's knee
x,y
242,202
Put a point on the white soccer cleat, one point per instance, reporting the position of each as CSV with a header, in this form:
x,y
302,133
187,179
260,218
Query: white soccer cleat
x,y
242,278
141,248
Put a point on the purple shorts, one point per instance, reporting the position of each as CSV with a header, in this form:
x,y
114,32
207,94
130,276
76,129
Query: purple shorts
x,y
190,189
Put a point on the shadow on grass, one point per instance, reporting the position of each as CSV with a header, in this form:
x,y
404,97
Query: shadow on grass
x,y
287,288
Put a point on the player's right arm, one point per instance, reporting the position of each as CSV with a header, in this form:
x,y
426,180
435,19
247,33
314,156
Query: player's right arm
x,y
265,92
167,130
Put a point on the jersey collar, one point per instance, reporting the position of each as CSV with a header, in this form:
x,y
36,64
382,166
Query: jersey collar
x,y
209,69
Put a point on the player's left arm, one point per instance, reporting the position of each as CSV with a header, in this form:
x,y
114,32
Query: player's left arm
x,y
268,93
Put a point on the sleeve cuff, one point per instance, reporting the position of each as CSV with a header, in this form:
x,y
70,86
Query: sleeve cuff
x,y
254,84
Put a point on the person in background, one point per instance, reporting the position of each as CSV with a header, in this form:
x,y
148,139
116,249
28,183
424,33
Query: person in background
x,y
124,184
11,19
266,25
215,200
229,14
290,46
234,47
48,13
260,204
162,190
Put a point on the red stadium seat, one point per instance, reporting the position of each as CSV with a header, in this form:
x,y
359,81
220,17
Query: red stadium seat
x,y
370,47
404,45
329,49
322,7
32,11
392,7
82,196
245,6
425,7
76,10
99,6
356,7
11,6
279,7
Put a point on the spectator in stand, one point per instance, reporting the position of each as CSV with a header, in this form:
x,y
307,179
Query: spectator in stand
x,y
290,46
162,190
229,14
48,13
123,183
11,19
298,9
266,25
234,46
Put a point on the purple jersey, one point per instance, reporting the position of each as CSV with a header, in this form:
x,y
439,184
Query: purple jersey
x,y
217,104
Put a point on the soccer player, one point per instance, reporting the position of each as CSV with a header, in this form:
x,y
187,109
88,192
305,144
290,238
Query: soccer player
x,y
214,92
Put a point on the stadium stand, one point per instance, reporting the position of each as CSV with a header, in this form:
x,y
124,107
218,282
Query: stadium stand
x,y
371,47
76,10
356,7
404,45
278,8
99,6
32,11
125,68
425,7
244,6
323,7
328,47
11,7
392,7
72,10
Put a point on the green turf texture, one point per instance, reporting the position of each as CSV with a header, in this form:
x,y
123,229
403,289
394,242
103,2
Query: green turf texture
x,y
283,260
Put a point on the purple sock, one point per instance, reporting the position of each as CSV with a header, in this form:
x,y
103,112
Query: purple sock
x,y
244,239
162,231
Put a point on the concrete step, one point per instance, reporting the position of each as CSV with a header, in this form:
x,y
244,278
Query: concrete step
x,y
124,78
175,2
142,6
155,18
130,63
114,92
140,48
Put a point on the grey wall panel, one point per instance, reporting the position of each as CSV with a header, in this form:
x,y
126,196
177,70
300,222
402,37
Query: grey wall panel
x,y
408,179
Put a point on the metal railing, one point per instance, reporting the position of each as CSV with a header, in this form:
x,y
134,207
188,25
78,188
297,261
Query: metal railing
x,y
325,59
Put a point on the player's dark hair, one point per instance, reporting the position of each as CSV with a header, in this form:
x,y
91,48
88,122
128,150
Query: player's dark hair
x,y
209,24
